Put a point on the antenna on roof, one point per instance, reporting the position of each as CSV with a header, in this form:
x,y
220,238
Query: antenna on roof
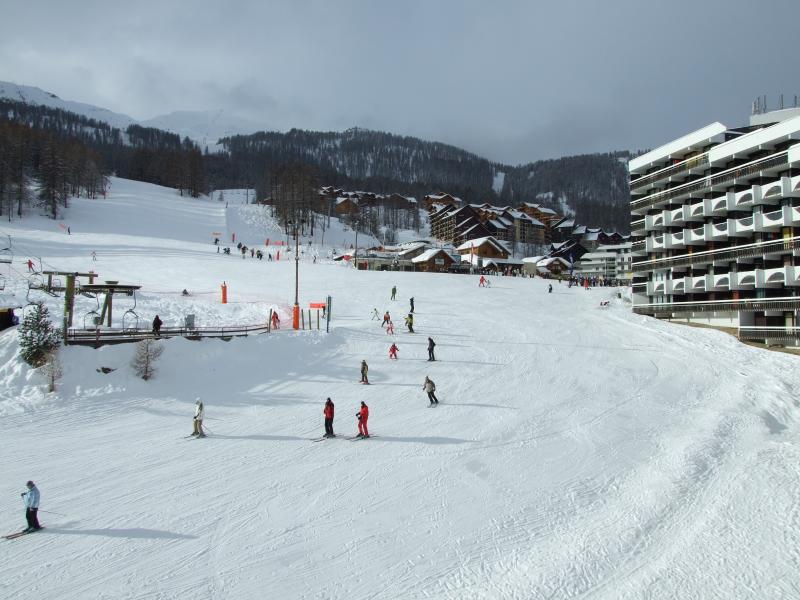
x,y
781,101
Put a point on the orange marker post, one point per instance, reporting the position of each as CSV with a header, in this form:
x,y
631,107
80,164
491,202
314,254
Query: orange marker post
x,y
224,293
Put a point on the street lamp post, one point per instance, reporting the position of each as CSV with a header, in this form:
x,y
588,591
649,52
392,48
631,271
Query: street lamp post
x,y
296,309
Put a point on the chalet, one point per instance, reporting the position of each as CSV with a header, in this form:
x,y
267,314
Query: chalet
x,y
398,201
440,198
346,205
552,265
433,260
476,250
502,265
547,216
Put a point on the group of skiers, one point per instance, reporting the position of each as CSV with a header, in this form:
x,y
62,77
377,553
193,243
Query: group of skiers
x,y
362,415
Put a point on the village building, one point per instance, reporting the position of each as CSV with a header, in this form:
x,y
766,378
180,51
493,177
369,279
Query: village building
x,y
475,251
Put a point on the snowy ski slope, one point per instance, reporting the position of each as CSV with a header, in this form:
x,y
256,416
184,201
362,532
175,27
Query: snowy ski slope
x,y
577,452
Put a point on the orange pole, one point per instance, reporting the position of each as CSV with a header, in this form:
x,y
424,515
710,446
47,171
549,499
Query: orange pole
x,y
296,316
224,293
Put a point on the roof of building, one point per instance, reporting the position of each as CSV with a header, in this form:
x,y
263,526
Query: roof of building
x,y
532,259
479,241
431,253
542,209
502,261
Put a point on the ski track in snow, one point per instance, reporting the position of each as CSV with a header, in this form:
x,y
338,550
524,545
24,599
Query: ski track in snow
x,y
576,452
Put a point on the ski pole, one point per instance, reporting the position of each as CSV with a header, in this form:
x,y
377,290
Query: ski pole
x,y
52,512
208,430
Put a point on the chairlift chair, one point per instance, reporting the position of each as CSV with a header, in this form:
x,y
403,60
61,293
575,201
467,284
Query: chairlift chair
x,y
130,320
94,314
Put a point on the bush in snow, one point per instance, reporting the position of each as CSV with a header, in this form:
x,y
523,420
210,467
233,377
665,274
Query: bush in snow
x,y
147,352
37,336
52,370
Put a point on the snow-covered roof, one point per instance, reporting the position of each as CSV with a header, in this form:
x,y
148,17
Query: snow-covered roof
x,y
542,209
478,241
691,141
592,236
532,259
498,224
502,261
340,200
579,230
429,254
547,262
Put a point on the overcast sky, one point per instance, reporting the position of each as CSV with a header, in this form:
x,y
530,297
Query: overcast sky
x,y
513,81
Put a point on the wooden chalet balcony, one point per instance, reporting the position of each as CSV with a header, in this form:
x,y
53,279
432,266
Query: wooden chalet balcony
x,y
709,256
727,177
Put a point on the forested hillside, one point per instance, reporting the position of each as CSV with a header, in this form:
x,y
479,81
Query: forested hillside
x,y
591,187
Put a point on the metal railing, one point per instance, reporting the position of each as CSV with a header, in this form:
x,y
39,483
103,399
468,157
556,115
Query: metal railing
x,y
686,165
787,333
725,177
708,256
745,304
102,336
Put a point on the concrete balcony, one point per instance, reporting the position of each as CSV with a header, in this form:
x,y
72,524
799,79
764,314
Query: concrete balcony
x,y
696,285
677,217
743,280
771,221
654,222
656,288
673,241
718,283
777,277
654,243
744,199
694,237
716,232
679,285
638,227
693,212
715,207
741,227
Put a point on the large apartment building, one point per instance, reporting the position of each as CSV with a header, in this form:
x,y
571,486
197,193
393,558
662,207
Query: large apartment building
x,y
716,226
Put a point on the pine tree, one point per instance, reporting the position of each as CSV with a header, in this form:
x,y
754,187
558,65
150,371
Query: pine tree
x,y
147,352
37,336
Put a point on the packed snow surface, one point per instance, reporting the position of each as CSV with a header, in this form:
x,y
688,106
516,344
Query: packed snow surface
x,y
577,452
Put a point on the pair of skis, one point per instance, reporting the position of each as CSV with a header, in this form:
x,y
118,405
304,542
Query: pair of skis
x,y
343,437
18,534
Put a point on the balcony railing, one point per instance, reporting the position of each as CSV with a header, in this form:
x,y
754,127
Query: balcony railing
x,y
686,165
709,256
788,333
723,178
746,304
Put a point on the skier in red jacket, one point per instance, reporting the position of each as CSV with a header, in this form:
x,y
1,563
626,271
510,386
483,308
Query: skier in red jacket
x,y
393,351
363,417
328,412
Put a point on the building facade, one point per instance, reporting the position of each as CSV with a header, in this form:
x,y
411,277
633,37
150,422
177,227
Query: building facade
x,y
716,228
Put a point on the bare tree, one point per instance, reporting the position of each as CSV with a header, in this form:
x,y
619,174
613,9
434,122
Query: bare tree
x,y
52,370
147,352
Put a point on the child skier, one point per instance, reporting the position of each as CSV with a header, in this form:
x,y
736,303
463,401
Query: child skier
x,y
393,351
390,328
276,320
364,370
430,388
386,318
328,412
363,416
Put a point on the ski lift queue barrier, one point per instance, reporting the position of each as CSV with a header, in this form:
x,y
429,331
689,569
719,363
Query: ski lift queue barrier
x,y
108,335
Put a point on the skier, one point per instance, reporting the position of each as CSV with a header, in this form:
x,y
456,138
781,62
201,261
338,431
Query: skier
x,y
157,323
94,256
393,351
411,300
364,370
185,292
363,416
199,411
430,388
30,266
276,320
31,499
431,345
386,318
390,328
375,315
410,323
394,292
549,288
216,241
328,412
482,281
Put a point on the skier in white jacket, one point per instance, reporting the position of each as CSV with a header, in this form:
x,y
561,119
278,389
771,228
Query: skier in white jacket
x,y
31,499
198,419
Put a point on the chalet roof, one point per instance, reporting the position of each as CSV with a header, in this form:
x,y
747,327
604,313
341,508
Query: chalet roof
x,y
546,262
498,224
505,221
429,254
532,259
579,230
466,221
565,224
340,200
471,228
479,241
591,237
502,261
542,209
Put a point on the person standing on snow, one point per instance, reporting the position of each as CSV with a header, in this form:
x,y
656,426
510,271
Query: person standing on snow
x,y
276,320
431,346
386,318
393,351
482,281
31,499
199,412
375,315
410,323
364,370
549,288
411,300
363,416
328,412
394,292
430,388
157,323
390,328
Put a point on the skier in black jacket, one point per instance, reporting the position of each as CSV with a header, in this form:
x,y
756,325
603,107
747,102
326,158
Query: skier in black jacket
x,y
431,345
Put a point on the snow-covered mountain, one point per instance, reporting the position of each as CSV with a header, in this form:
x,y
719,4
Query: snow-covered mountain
x,y
37,96
203,126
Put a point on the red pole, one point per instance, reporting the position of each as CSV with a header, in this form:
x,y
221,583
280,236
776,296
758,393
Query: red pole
x,y
224,293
